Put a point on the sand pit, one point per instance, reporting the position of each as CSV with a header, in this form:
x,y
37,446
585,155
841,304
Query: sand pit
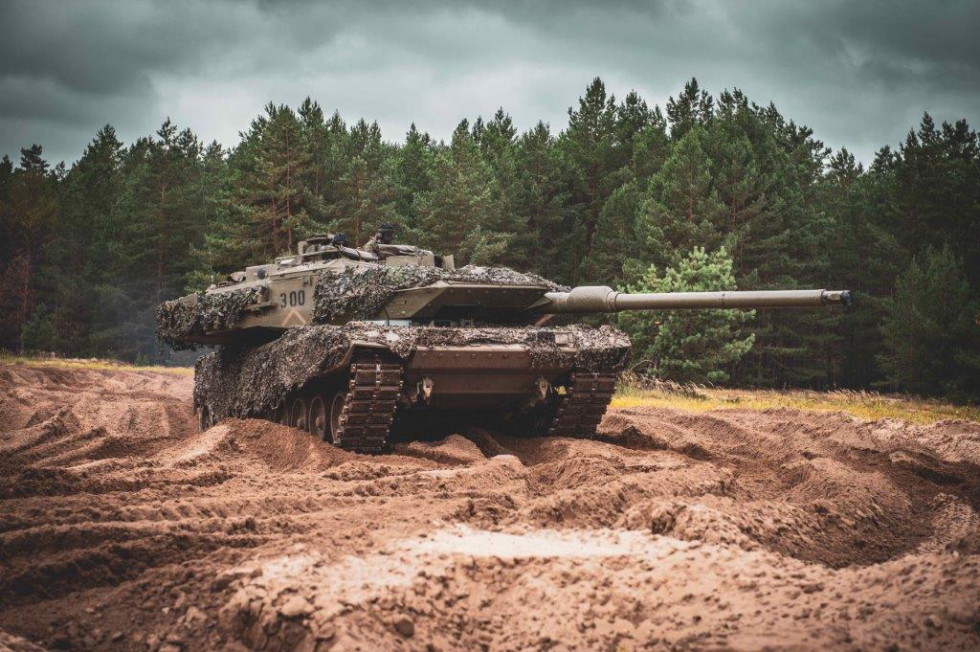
x,y
122,527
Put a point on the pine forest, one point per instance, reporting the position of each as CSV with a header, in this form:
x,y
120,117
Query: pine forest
x,y
710,192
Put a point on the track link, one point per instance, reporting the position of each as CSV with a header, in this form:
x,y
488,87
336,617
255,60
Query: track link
x,y
580,409
369,407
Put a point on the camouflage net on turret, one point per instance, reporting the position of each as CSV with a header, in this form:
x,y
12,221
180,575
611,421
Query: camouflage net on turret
x,y
245,382
177,321
362,292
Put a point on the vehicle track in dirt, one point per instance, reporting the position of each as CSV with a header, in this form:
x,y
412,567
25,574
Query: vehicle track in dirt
x,y
122,527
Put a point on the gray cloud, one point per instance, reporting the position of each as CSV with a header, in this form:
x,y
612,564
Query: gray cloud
x,y
859,73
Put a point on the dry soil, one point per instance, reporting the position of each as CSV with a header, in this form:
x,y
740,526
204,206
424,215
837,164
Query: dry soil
x,y
122,527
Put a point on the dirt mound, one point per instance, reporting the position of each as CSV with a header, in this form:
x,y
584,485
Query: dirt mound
x,y
17,643
237,442
605,589
121,526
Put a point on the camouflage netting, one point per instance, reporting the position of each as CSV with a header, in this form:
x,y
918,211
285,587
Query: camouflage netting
x,y
361,292
243,382
178,321
499,276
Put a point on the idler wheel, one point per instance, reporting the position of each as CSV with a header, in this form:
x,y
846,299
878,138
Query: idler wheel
x,y
319,418
280,414
297,413
336,410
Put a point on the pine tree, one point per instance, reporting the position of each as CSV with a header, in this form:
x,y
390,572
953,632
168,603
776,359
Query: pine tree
x,y
744,166
542,201
498,145
91,193
160,218
932,345
865,258
680,209
589,145
268,169
32,161
365,191
10,324
784,243
619,248
650,148
633,116
39,334
412,174
460,214
693,107
319,144
29,211
208,255
84,232
937,191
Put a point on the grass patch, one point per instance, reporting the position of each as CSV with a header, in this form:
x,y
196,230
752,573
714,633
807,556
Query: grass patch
x,y
91,364
865,405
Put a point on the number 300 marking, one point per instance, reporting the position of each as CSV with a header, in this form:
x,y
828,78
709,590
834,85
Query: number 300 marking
x,y
294,298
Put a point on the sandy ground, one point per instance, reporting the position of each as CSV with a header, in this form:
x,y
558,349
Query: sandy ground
x,y
122,527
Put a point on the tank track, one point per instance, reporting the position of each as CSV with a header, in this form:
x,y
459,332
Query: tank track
x,y
580,409
375,383
369,407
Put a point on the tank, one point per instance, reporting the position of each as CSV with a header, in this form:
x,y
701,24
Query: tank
x,y
349,344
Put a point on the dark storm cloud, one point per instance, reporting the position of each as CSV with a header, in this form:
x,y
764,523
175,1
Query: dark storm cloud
x,y
885,43
106,47
859,73
942,34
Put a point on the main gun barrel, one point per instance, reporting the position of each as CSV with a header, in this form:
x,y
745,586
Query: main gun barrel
x,y
604,299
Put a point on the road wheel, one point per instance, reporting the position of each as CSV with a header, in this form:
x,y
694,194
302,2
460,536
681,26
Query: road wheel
x,y
279,415
297,413
275,415
319,418
336,410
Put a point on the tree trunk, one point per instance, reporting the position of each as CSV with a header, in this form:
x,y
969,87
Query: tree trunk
x,y
25,300
161,250
289,197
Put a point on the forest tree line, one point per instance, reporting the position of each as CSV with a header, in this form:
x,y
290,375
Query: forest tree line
x,y
712,192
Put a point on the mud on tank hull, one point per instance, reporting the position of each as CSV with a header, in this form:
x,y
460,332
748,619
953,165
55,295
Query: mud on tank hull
x,y
351,384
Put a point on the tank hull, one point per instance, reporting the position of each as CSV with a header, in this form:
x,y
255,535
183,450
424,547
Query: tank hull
x,y
548,380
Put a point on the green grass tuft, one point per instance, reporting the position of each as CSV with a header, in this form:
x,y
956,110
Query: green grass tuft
x,y
91,364
862,404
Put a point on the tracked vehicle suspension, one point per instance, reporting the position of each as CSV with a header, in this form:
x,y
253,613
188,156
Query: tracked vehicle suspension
x,y
580,409
361,415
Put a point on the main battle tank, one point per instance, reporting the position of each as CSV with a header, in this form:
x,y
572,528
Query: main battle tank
x,y
347,343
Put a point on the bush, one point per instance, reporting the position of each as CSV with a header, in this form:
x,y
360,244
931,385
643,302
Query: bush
x,y
39,333
688,346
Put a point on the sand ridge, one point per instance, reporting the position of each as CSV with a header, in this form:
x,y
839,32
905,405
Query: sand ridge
x,y
122,527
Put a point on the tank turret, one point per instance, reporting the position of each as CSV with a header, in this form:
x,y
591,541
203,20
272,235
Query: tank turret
x,y
347,343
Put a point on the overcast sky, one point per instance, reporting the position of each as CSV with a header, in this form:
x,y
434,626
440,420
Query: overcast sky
x,y
859,72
